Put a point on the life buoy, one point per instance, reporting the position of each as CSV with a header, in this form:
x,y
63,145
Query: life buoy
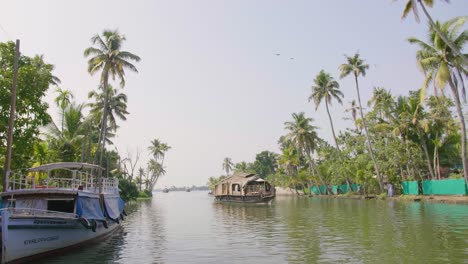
x,y
93,225
84,222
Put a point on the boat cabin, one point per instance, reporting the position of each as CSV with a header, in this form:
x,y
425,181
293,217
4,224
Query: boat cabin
x,y
65,189
243,184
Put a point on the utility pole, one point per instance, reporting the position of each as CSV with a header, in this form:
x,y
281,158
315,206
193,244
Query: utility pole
x,y
7,171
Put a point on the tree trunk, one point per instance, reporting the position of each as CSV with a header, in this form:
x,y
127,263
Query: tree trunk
x,y
104,121
371,152
312,167
452,46
462,127
331,125
348,182
426,153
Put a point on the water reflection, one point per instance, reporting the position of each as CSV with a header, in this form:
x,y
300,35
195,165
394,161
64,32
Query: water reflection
x,y
193,228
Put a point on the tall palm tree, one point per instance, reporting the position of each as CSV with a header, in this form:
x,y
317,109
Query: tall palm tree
x,y
227,165
357,67
116,106
411,5
325,88
108,58
62,100
158,149
304,138
443,67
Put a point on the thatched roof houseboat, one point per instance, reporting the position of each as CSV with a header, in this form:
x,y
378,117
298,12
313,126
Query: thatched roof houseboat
x,y
244,187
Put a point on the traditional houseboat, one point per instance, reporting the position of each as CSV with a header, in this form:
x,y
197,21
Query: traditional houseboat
x,y
245,188
56,206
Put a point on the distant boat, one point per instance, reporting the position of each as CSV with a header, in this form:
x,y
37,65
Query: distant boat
x,y
166,190
187,190
244,188
62,210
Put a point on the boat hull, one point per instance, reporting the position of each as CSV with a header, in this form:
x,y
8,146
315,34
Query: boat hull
x,y
244,199
25,238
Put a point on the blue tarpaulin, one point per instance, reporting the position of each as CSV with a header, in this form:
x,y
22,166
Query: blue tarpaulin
x,y
114,206
88,207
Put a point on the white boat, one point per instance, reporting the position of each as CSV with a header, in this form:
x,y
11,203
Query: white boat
x,y
56,206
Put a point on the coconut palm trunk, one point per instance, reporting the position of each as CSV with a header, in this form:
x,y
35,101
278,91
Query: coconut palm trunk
x,y
331,125
104,119
463,127
426,153
348,181
313,168
371,151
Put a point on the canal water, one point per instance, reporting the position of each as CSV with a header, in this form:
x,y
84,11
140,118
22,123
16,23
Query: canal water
x,y
189,227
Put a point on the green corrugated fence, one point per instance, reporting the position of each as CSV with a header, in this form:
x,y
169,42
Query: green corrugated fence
x,y
343,187
410,187
445,187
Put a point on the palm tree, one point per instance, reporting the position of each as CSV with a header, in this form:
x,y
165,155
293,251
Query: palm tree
x,y
67,141
326,88
357,66
62,100
411,5
227,165
289,160
116,106
158,149
108,58
353,109
383,102
304,138
442,66
442,126
156,170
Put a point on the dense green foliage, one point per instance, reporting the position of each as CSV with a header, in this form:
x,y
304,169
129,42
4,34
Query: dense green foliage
x,y
34,78
397,138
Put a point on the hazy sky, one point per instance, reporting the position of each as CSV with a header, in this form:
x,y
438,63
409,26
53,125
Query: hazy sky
x,y
210,83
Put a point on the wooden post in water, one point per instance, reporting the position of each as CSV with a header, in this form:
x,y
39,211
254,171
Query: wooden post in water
x,y
11,123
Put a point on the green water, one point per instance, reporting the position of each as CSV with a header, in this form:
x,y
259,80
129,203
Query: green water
x,y
182,227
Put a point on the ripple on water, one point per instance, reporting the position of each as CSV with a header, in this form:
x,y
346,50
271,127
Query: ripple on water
x,y
192,228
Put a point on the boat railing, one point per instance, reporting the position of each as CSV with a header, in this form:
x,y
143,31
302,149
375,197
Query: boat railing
x,y
38,212
78,181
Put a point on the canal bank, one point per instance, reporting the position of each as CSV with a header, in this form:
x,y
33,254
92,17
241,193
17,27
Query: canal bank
x,y
413,198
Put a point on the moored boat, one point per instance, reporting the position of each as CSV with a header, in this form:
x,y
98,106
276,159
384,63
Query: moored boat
x,y
56,206
244,188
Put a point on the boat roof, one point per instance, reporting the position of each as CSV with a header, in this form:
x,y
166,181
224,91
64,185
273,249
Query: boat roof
x,y
65,165
241,178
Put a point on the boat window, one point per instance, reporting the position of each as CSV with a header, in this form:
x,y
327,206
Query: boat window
x,y
236,188
66,206
40,204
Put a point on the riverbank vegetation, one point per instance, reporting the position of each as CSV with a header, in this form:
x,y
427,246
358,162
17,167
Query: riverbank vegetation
x,y
83,129
416,136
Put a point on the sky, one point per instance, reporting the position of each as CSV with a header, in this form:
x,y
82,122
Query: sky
x,y
210,83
